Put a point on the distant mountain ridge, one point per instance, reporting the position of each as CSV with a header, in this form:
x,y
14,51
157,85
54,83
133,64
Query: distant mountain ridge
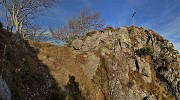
x,y
49,39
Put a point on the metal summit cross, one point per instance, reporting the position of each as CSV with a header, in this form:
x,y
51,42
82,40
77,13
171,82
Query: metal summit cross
x,y
133,16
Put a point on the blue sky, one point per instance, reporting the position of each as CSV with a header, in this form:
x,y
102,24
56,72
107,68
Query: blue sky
x,y
162,16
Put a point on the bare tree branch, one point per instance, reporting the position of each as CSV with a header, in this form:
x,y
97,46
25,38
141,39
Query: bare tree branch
x,y
23,11
79,26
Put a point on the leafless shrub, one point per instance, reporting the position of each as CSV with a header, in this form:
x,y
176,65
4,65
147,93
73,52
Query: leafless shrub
x,y
34,32
79,26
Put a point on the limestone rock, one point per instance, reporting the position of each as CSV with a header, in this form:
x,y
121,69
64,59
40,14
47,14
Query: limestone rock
x,y
132,64
123,35
77,44
144,68
109,60
92,65
127,74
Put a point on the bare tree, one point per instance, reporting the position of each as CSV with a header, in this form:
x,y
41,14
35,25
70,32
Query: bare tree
x,y
34,32
86,21
23,11
63,33
78,26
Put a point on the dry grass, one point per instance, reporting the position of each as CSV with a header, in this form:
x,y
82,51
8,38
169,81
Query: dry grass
x,y
62,63
25,74
28,74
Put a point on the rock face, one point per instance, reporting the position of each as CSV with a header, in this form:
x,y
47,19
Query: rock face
x,y
5,93
137,64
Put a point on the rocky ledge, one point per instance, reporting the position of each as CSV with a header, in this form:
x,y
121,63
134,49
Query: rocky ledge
x,y
130,63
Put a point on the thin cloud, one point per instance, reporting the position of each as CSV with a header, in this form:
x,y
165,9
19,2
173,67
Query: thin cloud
x,y
171,30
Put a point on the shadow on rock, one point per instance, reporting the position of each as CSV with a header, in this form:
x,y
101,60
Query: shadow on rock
x,y
72,89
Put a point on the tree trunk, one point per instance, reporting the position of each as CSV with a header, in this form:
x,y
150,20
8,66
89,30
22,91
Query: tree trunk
x,y
11,28
20,41
20,29
6,15
18,36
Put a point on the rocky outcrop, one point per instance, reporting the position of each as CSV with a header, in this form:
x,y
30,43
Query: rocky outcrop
x,y
144,69
139,63
128,63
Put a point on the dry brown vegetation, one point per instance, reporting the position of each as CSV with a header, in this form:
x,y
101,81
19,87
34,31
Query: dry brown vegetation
x,y
25,74
42,72
62,63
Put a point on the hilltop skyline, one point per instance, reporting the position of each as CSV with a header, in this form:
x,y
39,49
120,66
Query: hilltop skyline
x,y
163,16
